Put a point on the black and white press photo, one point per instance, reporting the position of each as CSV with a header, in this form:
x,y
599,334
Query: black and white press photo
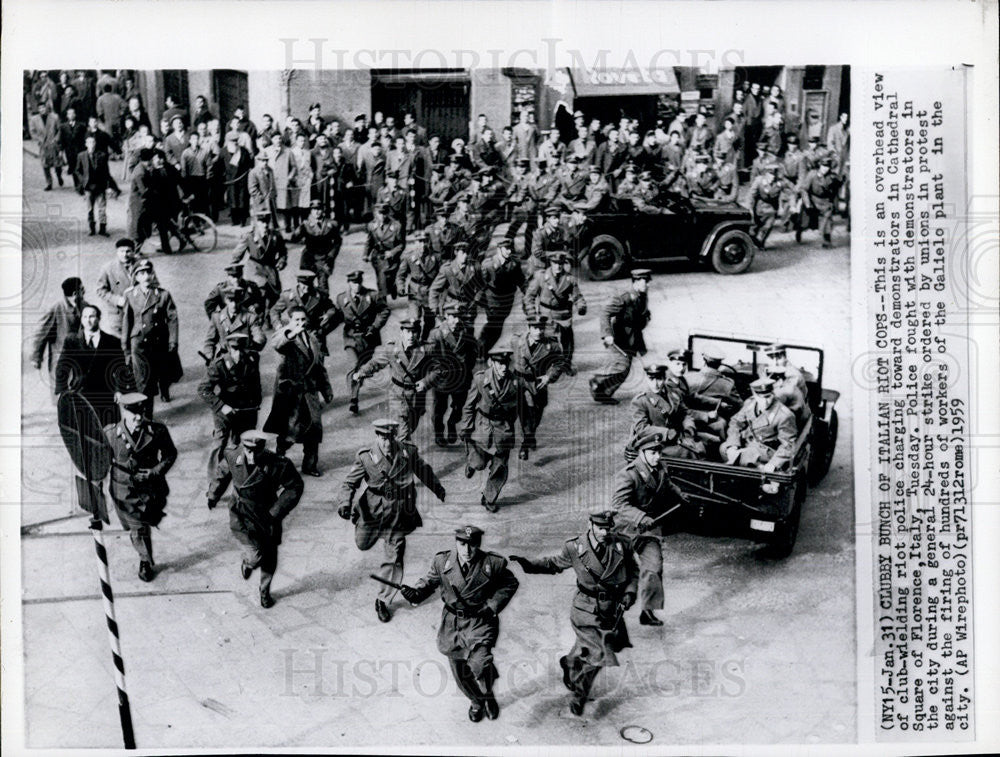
x,y
412,407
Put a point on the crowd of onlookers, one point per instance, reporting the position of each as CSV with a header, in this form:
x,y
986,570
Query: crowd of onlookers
x,y
211,160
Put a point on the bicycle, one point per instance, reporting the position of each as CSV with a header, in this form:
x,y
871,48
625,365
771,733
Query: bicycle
x,y
195,229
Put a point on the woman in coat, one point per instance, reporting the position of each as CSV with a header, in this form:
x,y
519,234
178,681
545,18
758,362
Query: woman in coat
x,y
285,181
44,129
301,157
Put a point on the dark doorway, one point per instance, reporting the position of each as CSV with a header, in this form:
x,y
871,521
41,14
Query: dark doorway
x,y
229,90
438,99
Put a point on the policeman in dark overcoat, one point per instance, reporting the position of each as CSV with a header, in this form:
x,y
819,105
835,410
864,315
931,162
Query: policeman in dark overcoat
x,y
231,387
266,489
488,424
607,580
454,350
622,322
643,493
379,496
149,335
363,312
412,371
321,240
417,272
476,586
142,454
537,359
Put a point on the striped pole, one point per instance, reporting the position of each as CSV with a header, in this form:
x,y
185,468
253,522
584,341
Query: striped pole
x,y
124,711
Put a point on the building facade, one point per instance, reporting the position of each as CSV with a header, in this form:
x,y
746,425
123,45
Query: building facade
x,y
448,101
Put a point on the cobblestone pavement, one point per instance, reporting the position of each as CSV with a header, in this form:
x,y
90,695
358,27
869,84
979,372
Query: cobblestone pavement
x,y
753,650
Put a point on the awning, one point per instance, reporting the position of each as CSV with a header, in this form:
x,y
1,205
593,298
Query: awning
x,y
430,75
628,82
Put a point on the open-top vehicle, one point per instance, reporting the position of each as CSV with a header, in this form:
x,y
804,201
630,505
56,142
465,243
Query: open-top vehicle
x,y
711,234
763,506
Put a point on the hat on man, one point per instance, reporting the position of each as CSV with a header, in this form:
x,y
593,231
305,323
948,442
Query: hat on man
x,y
552,210
711,356
143,265
385,427
381,206
355,275
147,153
132,400
237,338
702,157
455,308
265,214
408,324
827,161
392,174
814,140
506,244
559,256
305,275
542,162
603,518
793,139
776,370
678,354
72,285
523,163
649,438
630,168
315,204
656,370
125,242
485,171
469,534
594,168
460,247
537,321
236,269
642,273
645,176
762,386
232,292
774,349
500,354
253,439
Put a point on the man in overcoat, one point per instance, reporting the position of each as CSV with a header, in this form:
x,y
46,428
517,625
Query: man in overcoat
x,y
476,586
643,499
606,586
622,322
537,359
379,496
363,312
142,454
488,424
149,335
266,489
301,390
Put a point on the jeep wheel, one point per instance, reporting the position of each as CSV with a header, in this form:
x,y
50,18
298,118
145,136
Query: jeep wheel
x,y
786,533
733,252
605,258
822,458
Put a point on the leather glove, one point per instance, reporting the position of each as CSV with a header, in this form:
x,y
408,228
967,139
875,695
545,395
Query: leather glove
x,y
410,594
141,476
487,614
645,524
628,600
466,436
440,494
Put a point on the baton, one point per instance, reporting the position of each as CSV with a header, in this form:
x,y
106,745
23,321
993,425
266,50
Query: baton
x,y
387,582
660,517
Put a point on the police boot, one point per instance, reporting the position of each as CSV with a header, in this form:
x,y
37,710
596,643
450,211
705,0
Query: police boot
x,y
93,229
103,231
266,600
382,611
522,454
146,572
647,618
452,433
